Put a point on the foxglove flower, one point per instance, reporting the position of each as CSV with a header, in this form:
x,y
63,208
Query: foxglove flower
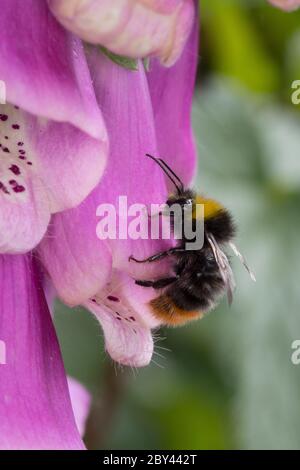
x,y
144,113
53,141
287,5
35,406
54,149
133,28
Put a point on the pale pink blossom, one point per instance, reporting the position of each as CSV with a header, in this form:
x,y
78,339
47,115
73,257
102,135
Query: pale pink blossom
x,y
133,28
287,5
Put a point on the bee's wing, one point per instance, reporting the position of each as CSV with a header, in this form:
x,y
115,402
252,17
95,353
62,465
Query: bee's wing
x,y
224,267
242,259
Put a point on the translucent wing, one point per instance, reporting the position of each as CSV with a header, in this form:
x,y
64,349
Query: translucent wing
x,y
242,259
224,267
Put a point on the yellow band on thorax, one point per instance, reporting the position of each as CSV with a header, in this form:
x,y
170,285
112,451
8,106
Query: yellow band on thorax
x,y
211,207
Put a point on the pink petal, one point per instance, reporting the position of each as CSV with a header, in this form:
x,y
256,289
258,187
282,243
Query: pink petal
x,y
77,261
287,5
35,407
45,167
171,94
81,401
123,312
134,28
70,163
49,292
24,208
44,67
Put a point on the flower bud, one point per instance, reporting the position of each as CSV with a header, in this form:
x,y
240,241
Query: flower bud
x,y
287,5
132,28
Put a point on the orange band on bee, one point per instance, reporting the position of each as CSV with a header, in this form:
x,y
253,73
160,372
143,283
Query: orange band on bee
x,y
164,309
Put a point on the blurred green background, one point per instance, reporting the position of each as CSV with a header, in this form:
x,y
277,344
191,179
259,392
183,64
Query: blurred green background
x,y
226,382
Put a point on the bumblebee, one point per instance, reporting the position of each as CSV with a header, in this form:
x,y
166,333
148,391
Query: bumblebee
x,y
202,276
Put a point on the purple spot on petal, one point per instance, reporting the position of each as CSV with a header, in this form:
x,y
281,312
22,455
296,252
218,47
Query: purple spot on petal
x,y
6,137
29,163
3,188
19,189
118,318
132,318
22,152
6,150
20,144
15,126
15,169
3,117
113,298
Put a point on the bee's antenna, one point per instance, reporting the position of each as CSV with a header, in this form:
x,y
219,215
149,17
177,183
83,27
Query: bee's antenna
x,y
166,169
173,173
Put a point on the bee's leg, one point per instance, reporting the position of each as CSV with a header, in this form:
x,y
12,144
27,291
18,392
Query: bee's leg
x,y
158,256
160,283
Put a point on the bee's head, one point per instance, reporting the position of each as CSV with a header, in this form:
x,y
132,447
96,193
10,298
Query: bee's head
x,y
217,219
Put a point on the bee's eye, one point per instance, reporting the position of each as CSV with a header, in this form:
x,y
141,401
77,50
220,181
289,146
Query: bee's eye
x,y
188,203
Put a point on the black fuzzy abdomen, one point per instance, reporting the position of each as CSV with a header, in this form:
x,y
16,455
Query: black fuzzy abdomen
x,y
199,284
221,226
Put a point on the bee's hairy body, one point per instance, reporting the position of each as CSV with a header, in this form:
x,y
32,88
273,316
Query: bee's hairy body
x,y
198,283
201,276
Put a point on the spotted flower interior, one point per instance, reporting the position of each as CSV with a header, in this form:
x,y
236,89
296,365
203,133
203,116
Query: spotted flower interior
x,y
16,159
